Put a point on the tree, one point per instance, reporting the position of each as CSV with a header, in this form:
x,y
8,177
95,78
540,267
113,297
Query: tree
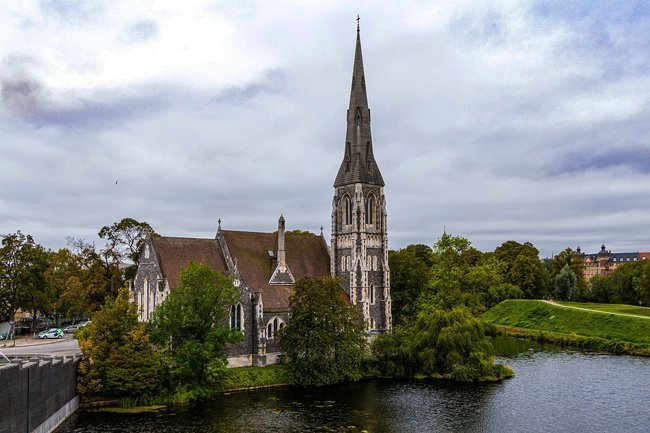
x,y
192,325
450,344
524,268
530,275
100,275
63,278
125,240
22,263
644,286
575,262
565,285
410,274
324,338
118,359
463,276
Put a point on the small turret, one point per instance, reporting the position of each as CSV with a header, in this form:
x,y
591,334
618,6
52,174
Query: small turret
x,y
282,275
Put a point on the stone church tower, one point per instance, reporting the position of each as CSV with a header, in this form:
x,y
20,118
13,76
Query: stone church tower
x,y
359,234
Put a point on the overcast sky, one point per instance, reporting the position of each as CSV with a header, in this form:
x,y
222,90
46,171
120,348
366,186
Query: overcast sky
x,y
516,120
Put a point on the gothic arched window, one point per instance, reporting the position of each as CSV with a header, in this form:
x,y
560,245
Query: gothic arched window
x,y
237,317
272,328
370,210
346,211
372,294
357,119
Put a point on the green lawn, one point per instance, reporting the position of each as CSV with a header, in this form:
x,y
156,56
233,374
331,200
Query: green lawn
x,y
611,308
539,316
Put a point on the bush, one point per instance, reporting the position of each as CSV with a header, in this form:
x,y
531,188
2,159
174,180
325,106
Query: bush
x,y
450,344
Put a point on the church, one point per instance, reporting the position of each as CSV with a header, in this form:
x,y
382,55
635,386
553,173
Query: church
x,y
265,265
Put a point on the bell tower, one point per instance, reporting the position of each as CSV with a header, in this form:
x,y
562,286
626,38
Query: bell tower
x,y
359,224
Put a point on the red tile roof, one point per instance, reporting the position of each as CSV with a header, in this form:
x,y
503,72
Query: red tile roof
x,y
306,255
175,253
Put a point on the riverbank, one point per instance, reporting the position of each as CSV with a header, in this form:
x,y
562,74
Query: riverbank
x,y
234,380
581,328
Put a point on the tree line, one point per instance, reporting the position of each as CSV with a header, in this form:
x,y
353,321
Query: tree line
x,y
512,270
74,281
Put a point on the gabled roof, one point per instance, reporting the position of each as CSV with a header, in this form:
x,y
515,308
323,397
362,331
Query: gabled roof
x,y
306,255
175,253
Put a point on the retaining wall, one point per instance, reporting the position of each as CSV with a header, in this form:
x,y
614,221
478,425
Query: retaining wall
x,y
36,396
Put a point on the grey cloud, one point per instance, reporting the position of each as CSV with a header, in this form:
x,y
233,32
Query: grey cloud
x,y
72,11
271,82
24,95
140,31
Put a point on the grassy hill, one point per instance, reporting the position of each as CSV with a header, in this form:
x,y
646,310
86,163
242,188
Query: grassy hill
x,y
538,316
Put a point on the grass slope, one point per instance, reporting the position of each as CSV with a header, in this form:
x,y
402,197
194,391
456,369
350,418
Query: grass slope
x,y
539,316
611,308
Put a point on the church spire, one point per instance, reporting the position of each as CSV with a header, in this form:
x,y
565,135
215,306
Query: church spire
x,y
358,164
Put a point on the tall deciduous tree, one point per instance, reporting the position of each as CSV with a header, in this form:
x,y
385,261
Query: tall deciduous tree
x,y
575,262
410,274
22,285
524,268
119,360
125,240
192,324
565,284
324,338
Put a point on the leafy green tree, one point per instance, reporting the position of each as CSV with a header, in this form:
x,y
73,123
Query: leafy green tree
x,y
99,278
36,296
530,275
125,240
565,285
599,289
440,343
192,325
22,285
575,262
324,339
410,274
462,276
118,359
509,251
644,286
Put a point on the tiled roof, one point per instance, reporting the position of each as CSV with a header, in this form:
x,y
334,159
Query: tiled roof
x,y
306,255
175,253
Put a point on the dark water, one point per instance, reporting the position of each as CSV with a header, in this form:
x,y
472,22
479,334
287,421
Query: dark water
x,y
553,391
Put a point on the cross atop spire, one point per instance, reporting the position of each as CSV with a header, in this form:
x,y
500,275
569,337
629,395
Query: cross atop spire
x,y
358,18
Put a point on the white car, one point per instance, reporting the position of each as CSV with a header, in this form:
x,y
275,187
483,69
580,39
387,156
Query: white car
x,y
51,333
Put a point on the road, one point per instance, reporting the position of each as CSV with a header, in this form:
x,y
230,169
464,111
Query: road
x,y
66,347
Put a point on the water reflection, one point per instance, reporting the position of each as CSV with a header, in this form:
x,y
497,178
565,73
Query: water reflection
x,y
554,390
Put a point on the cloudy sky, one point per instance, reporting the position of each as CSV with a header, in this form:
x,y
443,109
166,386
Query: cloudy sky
x,y
509,120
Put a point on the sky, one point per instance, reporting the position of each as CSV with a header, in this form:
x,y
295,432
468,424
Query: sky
x,y
508,120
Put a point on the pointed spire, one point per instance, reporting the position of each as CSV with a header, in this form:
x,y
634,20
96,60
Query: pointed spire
x,y
359,165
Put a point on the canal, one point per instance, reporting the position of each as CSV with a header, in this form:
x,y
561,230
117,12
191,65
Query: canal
x,y
555,390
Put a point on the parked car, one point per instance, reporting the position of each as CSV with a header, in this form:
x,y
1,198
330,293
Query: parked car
x,y
83,324
70,329
51,333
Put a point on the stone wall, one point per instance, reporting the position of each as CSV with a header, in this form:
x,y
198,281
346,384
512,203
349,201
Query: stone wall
x,y
36,396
